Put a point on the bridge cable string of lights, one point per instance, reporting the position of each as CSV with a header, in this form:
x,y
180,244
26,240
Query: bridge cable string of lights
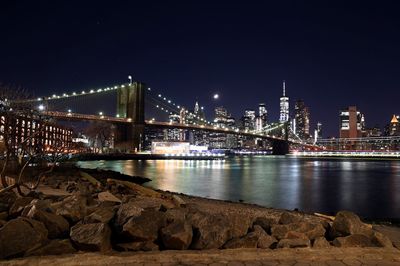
x,y
114,88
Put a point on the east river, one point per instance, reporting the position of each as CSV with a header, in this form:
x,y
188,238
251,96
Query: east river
x,y
371,188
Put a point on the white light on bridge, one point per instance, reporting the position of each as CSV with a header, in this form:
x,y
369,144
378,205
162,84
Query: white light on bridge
x,y
41,107
39,99
91,91
159,95
54,96
216,96
83,92
69,110
149,89
74,93
169,101
100,113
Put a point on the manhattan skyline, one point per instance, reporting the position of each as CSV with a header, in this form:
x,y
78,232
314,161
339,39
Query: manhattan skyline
x,y
331,55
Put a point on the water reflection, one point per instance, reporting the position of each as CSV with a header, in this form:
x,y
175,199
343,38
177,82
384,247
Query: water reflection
x,y
370,188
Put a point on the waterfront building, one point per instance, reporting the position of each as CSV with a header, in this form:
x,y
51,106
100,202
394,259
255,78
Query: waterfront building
x,y
173,134
394,126
218,140
351,123
373,132
33,131
301,120
284,106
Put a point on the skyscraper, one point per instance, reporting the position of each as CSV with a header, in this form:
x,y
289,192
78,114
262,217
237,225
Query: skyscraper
x,y
284,106
351,123
249,120
261,120
302,120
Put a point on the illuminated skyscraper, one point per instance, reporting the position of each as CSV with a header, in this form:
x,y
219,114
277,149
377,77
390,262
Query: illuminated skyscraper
x,y
351,123
301,120
284,106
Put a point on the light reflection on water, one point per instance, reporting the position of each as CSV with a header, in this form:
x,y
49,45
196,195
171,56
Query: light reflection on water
x,y
370,188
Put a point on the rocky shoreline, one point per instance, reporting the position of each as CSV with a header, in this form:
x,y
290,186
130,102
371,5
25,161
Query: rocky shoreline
x,y
88,210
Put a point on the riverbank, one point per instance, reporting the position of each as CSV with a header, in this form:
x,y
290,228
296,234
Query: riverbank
x,y
76,211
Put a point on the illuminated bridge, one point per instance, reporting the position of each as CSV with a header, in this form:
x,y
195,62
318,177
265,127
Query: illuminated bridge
x,y
133,99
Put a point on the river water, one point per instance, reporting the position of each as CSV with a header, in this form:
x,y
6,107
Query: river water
x,y
371,188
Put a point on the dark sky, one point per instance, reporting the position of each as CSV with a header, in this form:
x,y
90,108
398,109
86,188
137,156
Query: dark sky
x,y
331,54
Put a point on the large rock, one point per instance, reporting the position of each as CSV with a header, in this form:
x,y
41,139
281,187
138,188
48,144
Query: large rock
x,y
248,241
18,206
239,225
144,227
125,212
264,241
107,197
100,215
54,247
311,230
73,208
44,205
6,200
57,226
293,243
91,237
266,223
289,218
177,235
321,242
356,240
20,235
176,215
347,223
210,231
150,203
381,240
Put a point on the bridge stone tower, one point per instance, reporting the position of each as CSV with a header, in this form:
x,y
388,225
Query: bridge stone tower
x,y
130,104
281,147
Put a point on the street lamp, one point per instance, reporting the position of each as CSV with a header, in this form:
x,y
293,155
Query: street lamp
x,y
130,80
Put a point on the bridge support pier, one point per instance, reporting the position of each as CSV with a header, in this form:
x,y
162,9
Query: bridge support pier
x,y
280,147
130,105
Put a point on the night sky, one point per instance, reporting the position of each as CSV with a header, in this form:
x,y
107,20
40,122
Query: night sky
x,y
331,54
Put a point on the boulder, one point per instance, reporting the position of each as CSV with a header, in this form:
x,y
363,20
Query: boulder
x,y
380,240
54,247
264,240
152,203
175,215
144,227
125,212
6,200
210,231
311,230
91,237
19,235
256,239
293,243
356,240
177,235
57,226
44,205
289,218
321,242
73,208
238,225
248,241
294,234
347,223
18,206
107,196
265,223
178,201
100,215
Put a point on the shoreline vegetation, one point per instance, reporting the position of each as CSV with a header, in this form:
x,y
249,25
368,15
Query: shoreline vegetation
x,y
103,211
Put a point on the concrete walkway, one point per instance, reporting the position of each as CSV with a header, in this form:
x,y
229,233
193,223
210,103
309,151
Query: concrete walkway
x,y
330,256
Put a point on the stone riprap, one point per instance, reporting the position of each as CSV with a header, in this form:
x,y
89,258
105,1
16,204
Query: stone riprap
x,y
114,216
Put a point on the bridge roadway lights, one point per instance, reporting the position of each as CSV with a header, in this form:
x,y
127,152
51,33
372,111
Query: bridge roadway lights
x,y
280,147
